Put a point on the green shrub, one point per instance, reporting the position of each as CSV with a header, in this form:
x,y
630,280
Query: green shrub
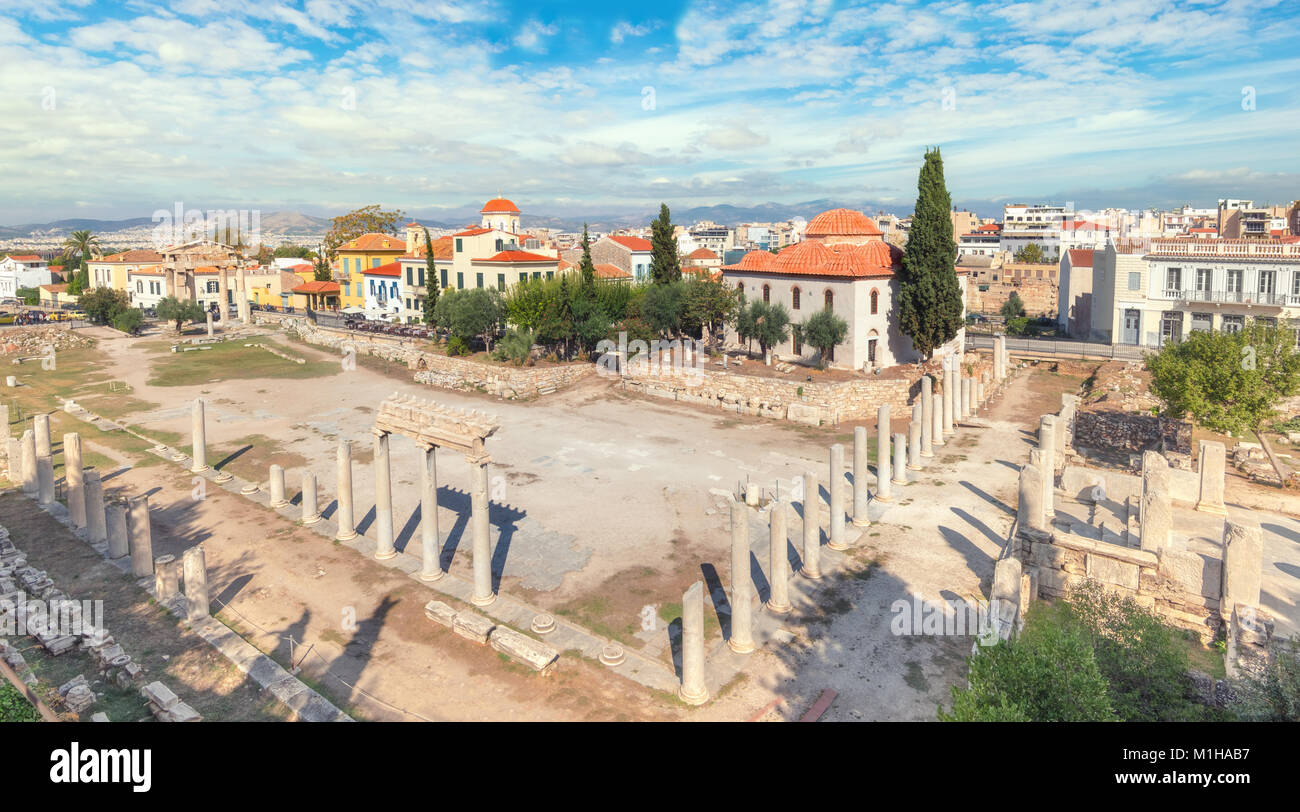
x,y
457,346
128,320
516,347
1274,695
14,707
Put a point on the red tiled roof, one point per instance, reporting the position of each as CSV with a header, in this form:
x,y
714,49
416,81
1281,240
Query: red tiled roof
x,y
375,241
54,288
1081,257
633,243
390,269
701,253
1202,231
25,257
875,258
990,227
443,248
606,271
134,255
499,204
754,261
842,223
472,232
317,287
518,256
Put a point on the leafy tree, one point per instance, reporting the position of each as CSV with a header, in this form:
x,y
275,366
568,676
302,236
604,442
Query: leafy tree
x,y
1013,307
746,327
1031,253
321,271
929,295
431,285
661,307
824,330
79,245
289,250
707,306
516,347
172,309
1229,382
665,266
473,313
128,320
770,324
1046,674
103,304
29,296
361,221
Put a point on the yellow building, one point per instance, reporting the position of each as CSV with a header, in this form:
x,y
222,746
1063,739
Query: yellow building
x,y
357,255
112,271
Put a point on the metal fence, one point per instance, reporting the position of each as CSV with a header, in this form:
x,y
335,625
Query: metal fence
x,y
1060,348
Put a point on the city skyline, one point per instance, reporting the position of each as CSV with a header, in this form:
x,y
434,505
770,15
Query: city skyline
x,y
322,106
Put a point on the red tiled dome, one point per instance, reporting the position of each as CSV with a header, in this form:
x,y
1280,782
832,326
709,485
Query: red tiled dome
x,y
499,205
755,261
804,257
842,223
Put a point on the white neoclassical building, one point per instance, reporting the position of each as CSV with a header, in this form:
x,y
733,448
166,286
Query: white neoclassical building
x,y
843,263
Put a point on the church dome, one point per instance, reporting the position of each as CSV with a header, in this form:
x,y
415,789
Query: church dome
x,y
842,223
499,205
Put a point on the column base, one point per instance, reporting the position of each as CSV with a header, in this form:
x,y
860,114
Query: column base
x,y
311,519
865,522
483,601
779,608
384,556
249,490
693,699
222,477
913,467
811,575
280,504
1217,510
886,499
838,546
898,482
742,647
348,536
927,454
194,469
434,576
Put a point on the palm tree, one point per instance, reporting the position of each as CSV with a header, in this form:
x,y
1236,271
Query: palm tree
x,y
80,245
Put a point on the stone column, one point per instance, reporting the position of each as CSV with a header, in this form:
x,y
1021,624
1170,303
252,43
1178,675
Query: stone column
x,y
860,492
346,519
963,397
75,478
778,601
277,487
900,459
141,536
431,569
119,543
199,435
1030,508
223,293
979,393
742,582
41,423
208,314
4,424
883,491
914,445
166,578
14,461
96,528
1211,468
483,594
936,429
310,511
1047,444
30,485
245,311
949,401
44,480
692,690
384,500
812,533
196,583
836,484
927,416
1156,514
1243,555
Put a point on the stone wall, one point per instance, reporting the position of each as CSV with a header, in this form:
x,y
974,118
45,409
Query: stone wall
x,y
812,403
1039,296
432,368
1121,431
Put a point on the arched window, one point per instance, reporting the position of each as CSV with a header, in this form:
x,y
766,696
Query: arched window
x,y
830,299
740,286
794,298
767,294
875,301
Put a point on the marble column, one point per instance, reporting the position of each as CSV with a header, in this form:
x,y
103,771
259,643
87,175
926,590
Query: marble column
x,y
277,487
74,477
1030,508
778,601
860,491
483,594
964,390
927,416
883,491
310,511
14,460
208,314
140,532
4,424
96,528
431,569
692,690
1243,554
1047,444
949,401
384,500
223,294
41,423
44,480
900,459
1156,514
812,533
346,519
914,445
936,428
196,583
1211,469
30,485
199,437
836,483
166,578
119,539
741,640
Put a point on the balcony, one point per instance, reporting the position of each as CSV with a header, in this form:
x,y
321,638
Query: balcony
x,y
1233,297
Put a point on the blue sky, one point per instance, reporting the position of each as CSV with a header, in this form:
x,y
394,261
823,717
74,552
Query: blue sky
x,y
118,109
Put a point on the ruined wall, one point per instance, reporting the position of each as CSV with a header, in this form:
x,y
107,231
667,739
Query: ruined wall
x,y
1121,431
1039,296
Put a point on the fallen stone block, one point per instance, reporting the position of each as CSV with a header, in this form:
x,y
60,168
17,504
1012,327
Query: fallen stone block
x,y
523,649
472,627
440,612
160,695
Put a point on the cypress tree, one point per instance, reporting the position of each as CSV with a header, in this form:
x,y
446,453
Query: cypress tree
x,y
929,296
665,268
431,284
587,268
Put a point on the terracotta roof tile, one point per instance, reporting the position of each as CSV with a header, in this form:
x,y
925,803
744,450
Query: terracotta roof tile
x,y
842,223
634,243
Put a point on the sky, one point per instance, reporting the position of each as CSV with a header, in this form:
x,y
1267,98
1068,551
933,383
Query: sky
x,y
319,106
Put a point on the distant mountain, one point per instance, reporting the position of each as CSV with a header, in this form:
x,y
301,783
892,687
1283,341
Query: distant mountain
x,y
60,228
292,222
